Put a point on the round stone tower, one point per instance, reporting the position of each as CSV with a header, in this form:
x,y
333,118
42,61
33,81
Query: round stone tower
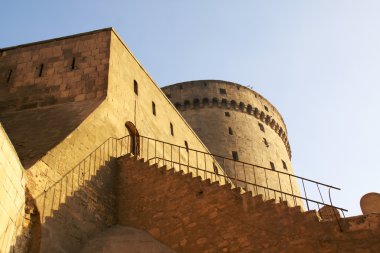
x,y
237,122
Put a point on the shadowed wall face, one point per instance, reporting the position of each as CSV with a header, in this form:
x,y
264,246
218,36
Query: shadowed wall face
x,y
240,124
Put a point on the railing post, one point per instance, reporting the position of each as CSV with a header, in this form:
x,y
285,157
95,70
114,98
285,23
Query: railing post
x,y
235,174
171,155
205,174
279,183
179,158
245,179
320,194
142,145
266,182
291,187
147,152
307,203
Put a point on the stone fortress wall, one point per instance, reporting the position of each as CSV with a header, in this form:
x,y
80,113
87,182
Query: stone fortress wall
x,y
56,117
12,193
229,118
58,111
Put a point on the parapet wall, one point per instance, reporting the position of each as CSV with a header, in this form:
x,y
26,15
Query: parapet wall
x,y
12,194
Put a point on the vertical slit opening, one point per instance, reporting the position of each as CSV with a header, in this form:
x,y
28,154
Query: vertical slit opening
x,y
136,87
171,129
73,64
9,76
41,69
154,108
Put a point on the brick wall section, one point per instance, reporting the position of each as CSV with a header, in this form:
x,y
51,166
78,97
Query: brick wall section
x,y
82,215
12,193
194,216
22,86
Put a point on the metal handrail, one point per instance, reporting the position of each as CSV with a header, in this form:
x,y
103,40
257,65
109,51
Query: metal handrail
x,y
246,163
117,147
253,184
245,166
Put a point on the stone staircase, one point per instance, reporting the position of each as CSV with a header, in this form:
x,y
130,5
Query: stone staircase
x,y
193,215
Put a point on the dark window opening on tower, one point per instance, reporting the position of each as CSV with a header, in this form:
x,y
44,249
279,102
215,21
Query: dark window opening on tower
x,y
73,64
196,103
272,166
154,108
249,108
205,84
41,69
9,76
187,146
230,131
168,95
235,156
227,114
284,165
136,87
224,102
181,87
171,129
261,127
178,106
215,169
222,91
266,108
215,102
266,142
241,106
186,104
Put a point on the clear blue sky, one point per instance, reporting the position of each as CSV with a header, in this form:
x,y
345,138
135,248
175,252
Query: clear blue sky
x,y
318,62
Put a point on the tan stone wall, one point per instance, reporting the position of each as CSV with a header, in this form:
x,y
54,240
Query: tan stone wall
x,y
12,194
192,216
73,189
212,126
22,86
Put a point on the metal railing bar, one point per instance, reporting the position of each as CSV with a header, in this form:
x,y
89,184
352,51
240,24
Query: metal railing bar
x,y
258,166
274,190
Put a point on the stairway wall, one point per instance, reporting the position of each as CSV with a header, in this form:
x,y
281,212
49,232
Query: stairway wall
x,y
12,193
194,216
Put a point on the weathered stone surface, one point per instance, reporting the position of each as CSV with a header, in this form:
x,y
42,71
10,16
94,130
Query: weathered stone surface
x,y
12,194
329,213
260,227
125,239
370,203
58,119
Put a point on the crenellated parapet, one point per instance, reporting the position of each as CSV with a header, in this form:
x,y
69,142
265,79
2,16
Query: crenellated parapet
x,y
205,102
